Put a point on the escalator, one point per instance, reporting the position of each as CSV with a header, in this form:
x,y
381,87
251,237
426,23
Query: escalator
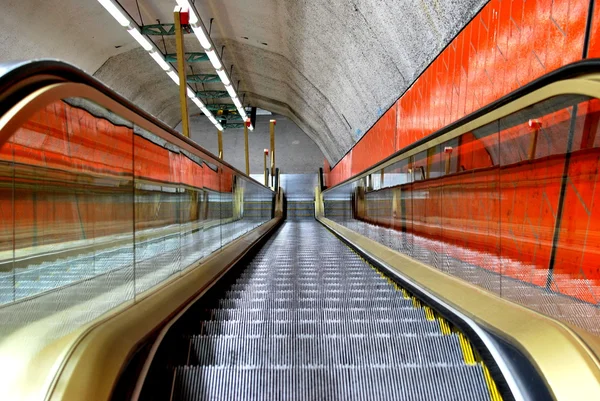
x,y
308,319
233,302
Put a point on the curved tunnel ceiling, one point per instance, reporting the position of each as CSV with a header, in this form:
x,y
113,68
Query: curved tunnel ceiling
x,y
333,67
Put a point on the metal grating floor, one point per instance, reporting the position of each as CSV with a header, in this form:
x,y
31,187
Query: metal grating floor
x,y
308,319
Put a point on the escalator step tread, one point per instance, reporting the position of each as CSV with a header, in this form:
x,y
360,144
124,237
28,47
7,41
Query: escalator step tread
x,y
320,327
372,349
263,314
414,383
375,302
308,319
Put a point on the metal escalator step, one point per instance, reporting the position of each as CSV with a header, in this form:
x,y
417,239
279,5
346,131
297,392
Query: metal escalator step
x,y
303,280
307,383
290,350
374,302
318,327
342,314
313,293
311,286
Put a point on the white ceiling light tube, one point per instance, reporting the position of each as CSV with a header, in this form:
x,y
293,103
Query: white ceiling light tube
x,y
186,5
173,75
141,39
214,59
196,24
200,105
116,12
224,77
201,35
160,60
231,91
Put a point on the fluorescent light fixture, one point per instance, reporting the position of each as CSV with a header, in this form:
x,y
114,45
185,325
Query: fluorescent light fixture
x,y
140,39
173,75
160,60
134,30
214,59
200,105
201,35
231,91
186,5
115,12
224,78
193,16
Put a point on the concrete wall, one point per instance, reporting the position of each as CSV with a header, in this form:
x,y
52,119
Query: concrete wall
x,y
295,152
333,67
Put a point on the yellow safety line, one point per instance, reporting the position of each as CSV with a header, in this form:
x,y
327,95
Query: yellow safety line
x,y
466,349
491,384
444,326
429,313
469,355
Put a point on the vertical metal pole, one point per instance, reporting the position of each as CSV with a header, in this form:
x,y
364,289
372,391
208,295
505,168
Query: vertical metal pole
x,y
272,131
265,168
535,125
181,70
246,124
220,138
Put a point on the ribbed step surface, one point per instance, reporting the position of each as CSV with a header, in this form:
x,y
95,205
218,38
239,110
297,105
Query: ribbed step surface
x,y
312,383
309,320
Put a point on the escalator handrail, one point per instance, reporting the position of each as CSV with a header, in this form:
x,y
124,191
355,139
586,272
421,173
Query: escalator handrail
x,y
19,79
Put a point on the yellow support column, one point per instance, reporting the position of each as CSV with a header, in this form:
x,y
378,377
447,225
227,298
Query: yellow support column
x,y
185,122
246,125
220,139
272,131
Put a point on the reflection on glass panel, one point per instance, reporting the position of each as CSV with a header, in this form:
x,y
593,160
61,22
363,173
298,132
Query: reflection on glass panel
x,y
73,211
96,209
7,214
509,207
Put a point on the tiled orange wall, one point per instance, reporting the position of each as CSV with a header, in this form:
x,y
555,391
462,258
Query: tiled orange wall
x,y
508,44
505,205
377,145
65,143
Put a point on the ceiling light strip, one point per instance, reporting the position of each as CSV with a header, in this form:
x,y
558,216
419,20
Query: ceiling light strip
x,y
119,14
209,48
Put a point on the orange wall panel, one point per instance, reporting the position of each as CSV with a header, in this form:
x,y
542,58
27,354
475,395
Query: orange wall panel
x,y
377,144
507,45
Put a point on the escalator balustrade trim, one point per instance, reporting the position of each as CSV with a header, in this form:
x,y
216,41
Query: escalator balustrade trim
x,y
508,330
470,355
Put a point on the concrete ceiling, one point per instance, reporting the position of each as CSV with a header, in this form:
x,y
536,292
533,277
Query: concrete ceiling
x,y
333,67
